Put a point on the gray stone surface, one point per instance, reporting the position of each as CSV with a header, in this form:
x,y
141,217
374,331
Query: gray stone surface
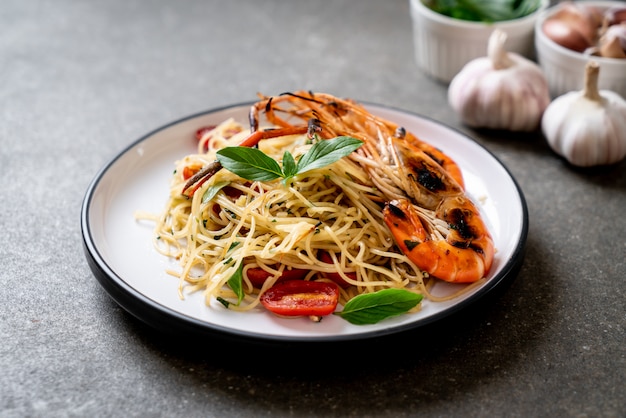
x,y
80,80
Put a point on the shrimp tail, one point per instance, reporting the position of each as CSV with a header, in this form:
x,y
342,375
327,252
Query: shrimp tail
x,y
464,256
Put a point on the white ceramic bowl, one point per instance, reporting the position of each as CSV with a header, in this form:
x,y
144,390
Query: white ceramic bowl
x,y
565,69
443,45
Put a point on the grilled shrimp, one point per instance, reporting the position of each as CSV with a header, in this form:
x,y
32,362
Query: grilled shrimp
x,y
433,222
342,117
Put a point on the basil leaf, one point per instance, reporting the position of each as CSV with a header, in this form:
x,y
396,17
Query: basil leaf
x,y
326,152
249,163
524,8
252,164
289,165
484,10
236,283
370,308
212,190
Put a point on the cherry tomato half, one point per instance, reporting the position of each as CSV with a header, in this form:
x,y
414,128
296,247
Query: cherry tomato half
x,y
202,131
324,257
190,170
258,276
299,297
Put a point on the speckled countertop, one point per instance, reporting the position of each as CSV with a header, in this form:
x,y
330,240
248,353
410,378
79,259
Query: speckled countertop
x,y
82,80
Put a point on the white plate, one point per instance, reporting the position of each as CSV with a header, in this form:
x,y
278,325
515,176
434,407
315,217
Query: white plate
x,y
121,256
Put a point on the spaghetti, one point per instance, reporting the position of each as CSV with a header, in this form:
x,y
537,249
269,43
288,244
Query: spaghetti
x,y
327,223
335,211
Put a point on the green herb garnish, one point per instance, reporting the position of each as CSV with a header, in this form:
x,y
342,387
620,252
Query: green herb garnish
x,y
370,308
254,165
484,10
212,190
236,284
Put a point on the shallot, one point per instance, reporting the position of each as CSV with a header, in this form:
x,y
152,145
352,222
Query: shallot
x,y
585,28
574,26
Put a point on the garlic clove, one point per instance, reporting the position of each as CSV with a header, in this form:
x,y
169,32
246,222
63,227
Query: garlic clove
x,y
588,127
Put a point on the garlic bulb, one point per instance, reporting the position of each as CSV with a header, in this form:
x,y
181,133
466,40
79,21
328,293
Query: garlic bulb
x,y
500,91
587,127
